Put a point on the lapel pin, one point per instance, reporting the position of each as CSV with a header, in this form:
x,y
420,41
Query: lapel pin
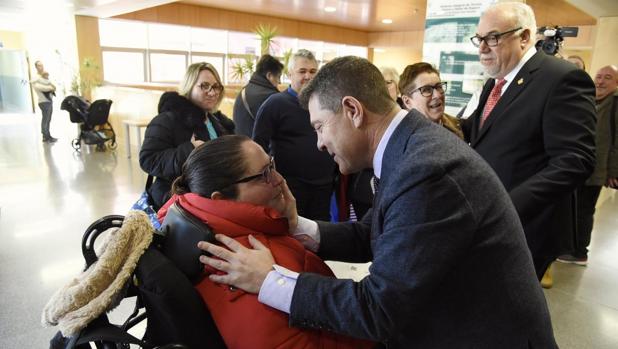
x,y
520,81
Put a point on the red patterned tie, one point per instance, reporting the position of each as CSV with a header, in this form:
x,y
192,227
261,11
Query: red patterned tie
x,y
494,96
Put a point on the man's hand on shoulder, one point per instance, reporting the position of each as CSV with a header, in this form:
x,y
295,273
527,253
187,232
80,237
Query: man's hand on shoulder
x,y
246,268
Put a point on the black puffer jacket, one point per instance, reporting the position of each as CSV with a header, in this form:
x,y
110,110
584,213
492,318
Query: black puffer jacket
x,y
256,92
167,142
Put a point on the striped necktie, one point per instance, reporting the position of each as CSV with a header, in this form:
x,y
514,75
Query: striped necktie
x,y
492,100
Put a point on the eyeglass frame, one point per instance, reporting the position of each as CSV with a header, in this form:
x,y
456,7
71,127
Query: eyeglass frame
x,y
266,174
443,85
207,87
496,36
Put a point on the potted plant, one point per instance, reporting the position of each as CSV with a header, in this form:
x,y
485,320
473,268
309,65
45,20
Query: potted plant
x,y
266,34
87,78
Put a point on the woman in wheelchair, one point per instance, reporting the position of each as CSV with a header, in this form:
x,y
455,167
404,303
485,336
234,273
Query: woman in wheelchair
x,y
231,184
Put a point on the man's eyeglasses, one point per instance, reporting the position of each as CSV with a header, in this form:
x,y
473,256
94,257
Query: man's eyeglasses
x,y
427,90
491,39
206,87
267,174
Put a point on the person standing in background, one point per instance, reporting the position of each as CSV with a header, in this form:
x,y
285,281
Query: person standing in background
x,y
606,168
262,84
578,61
283,129
391,77
534,126
422,89
186,119
45,91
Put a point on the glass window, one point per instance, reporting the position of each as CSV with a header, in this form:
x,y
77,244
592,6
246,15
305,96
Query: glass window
x,y
216,61
167,67
243,43
121,33
283,44
168,37
314,46
208,40
123,67
329,51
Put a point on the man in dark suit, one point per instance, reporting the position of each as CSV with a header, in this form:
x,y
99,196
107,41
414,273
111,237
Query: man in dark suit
x,y
534,126
282,128
450,264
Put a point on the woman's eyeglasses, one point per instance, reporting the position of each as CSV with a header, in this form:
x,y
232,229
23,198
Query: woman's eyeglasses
x,y
206,87
427,90
267,174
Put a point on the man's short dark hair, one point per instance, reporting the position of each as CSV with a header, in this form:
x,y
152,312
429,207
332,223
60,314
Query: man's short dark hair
x,y
269,64
348,76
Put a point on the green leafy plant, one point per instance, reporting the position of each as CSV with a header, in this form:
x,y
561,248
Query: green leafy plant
x,y
242,69
286,59
238,70
87,78
266,34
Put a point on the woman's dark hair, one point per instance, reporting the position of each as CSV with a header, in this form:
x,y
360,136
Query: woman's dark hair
x,y
213,166
406,80
268,64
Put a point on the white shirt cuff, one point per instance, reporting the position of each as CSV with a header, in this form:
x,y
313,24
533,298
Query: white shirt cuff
x,y
278,288
307,233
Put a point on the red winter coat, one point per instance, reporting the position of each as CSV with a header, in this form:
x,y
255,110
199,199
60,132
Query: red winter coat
x,y
242,320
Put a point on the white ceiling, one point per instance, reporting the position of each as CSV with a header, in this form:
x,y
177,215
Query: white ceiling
x,y
289,9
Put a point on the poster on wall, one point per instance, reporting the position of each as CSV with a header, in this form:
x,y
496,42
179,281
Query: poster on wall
x,y
448,28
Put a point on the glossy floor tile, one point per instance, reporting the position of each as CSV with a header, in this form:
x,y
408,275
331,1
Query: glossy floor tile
x,y
49,194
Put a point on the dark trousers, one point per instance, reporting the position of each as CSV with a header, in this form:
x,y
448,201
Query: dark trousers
x,y
312,201
46,109
587,196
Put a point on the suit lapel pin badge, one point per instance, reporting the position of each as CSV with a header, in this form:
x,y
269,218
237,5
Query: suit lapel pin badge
x,y
520,81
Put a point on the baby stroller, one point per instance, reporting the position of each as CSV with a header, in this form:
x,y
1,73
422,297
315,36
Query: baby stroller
x,y
94,129
162,286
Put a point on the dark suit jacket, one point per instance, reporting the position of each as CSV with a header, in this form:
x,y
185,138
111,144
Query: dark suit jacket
x,y
450,264
539,138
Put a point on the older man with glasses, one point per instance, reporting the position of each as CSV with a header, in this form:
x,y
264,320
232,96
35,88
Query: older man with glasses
x,y
534,125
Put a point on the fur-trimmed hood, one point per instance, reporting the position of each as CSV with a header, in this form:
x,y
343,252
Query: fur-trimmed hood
x,y
191,115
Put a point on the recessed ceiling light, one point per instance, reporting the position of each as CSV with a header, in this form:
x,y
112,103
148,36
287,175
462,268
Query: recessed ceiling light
x,y
387,21
330,9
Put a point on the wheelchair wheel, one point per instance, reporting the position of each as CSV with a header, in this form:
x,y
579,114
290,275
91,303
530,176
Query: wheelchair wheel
x,y
113,145
76,144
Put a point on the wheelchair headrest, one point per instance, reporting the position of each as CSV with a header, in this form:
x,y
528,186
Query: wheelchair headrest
x,y
182,232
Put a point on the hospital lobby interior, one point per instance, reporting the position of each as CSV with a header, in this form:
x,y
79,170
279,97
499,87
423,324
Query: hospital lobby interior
x,y
51,192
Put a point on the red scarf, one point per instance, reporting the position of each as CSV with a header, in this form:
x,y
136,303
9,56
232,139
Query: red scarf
x,y
231,218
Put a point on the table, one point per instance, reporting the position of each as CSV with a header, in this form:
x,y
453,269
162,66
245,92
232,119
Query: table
x,y
128,124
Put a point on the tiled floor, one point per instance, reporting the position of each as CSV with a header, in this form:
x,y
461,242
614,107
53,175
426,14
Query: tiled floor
x,y
49,194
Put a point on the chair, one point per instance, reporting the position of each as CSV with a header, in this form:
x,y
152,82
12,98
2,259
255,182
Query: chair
x,y
165,297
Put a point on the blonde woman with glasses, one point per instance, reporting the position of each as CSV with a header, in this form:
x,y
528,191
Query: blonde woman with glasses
x,y
186,119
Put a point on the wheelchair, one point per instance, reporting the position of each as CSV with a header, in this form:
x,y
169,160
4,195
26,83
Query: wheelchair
x,y
162,285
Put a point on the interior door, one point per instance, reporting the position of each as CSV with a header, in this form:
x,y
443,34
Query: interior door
x,y
15,93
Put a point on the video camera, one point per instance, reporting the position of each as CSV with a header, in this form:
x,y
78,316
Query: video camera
x,y
553,37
